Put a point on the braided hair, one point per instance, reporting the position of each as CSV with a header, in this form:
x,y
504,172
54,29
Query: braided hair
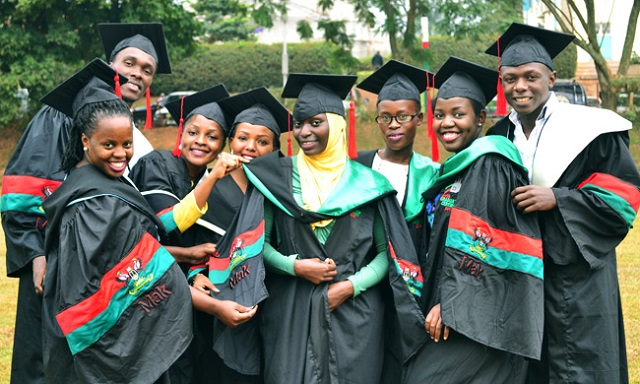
x,y
85,121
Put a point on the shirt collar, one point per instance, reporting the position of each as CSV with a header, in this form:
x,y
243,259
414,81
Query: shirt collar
x,y
547,110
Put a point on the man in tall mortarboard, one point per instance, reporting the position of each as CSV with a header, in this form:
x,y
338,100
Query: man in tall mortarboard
x,y
32,173
399,115
484,266
138,51
584,185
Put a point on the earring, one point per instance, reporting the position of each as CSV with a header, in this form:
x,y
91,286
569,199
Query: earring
x,y
85,149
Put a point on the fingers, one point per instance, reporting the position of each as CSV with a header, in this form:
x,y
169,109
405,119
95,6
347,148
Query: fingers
x,y
446,333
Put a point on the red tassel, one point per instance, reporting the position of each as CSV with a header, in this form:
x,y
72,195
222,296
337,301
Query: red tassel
x,y
289,147
435,152
176,148
501,101
116,86
352,147
149,123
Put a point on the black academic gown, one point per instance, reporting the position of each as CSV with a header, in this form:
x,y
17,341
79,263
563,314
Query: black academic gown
x,y
485,269
164,180
116,308
420,177
303,341
32,174
584,332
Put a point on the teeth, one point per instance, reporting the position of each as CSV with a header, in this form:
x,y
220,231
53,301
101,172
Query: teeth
x,y
522,98
119,164
450,135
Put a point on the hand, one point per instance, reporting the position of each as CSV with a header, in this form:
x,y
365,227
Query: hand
x,y
433,324
338,293
198,254
533,198
315,270
233,314
203,284
39,267
225,164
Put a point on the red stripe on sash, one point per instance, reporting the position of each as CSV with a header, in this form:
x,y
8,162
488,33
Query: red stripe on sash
x,y
109,285
509,241
28,185
627,191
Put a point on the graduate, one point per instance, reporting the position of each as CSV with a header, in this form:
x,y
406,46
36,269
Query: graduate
x,y
584,189
33,172
399,115
484,275
116,308
177,185
336,250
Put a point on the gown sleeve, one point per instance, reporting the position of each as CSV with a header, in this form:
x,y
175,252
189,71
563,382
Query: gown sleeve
x,y
32,174
600,208
152,174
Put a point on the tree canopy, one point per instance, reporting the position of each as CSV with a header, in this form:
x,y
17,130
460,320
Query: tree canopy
x,y
44,41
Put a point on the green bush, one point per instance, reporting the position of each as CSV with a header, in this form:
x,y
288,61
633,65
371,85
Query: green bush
x,y
245,65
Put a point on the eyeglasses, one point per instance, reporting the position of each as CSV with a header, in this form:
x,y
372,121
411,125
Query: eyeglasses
x,y
401,118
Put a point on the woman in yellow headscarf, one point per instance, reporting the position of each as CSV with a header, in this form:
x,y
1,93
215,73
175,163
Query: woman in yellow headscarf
x,y
333,233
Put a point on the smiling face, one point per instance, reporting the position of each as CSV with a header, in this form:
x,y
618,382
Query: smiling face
x,y
110,146
251,141
456,123
398,136
526,87
312,134
202,140
139,67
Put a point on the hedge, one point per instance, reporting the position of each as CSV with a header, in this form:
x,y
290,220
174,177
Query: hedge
x,y
245,65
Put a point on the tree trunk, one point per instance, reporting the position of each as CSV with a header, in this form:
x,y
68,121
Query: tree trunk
x,y
625,59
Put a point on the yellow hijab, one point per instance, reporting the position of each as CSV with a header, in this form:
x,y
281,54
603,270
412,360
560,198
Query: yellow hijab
x,y
320,173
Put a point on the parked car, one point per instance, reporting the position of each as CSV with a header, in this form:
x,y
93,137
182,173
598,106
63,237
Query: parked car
x,y
161,116
140,114
570,91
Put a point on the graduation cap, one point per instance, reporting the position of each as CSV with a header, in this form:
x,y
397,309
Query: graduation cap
x,y
397,81
258,107
317,93
91,84
462,78
148,37
201,103
522,44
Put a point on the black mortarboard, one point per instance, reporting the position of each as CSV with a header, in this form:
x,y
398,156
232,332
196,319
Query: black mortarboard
x,y
257,106
203,103
91,84
317,93
148,37
397,81
462,78
522,44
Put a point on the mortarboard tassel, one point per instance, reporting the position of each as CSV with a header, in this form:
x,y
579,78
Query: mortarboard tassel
x,y
435,153
352,147
116,87
176,148
501,101
149,123
289,148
